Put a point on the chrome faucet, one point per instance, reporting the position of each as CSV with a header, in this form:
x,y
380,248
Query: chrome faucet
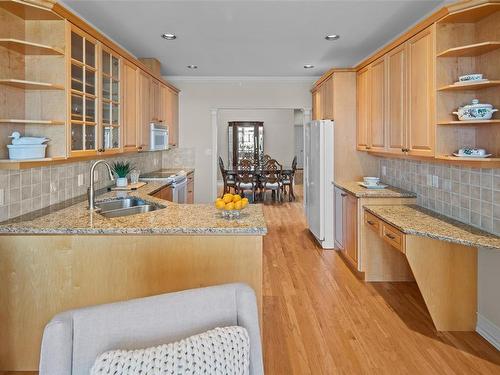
x,y
91,189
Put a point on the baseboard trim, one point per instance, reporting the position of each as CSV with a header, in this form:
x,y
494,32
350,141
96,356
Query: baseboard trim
x,y
488,330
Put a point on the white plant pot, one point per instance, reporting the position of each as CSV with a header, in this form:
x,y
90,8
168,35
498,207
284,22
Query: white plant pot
x,y
121,182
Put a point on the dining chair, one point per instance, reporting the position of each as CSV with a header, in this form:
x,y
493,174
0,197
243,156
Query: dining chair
x,y
265,159
271,179
245,178
228,180
289,180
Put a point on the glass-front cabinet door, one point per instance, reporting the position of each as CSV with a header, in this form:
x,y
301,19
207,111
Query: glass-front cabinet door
x,y
245,141
110,101
83,100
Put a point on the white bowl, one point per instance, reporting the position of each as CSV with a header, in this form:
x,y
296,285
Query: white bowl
x,y
26,152
470,77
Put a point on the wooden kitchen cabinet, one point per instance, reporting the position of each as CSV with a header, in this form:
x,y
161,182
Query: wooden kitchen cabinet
x,y
421,106
316,104
326,95
173,138
363,109
376,114
144,83
396,99
190,189
154,103
349,226
131,103
164,193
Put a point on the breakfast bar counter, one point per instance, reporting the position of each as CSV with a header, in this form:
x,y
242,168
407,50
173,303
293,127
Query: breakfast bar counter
x,y
66,257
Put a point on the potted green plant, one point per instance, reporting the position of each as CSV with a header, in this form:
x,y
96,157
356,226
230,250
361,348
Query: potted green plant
x,y
121,169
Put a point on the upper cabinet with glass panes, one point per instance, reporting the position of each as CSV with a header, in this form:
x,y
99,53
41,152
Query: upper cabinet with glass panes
x,y
83,95
111,121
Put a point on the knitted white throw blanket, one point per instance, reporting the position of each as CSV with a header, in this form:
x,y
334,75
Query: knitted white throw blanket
x,y
221,351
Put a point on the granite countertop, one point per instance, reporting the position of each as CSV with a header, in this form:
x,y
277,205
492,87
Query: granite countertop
x,y
195,219
416,220
353,188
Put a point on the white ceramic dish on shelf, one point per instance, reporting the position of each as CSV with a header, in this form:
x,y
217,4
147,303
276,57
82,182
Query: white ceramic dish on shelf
x,y
473,77
378,186
471,156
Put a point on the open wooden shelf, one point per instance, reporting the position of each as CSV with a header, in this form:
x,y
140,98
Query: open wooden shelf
x,y
470,50
491,162
29,48
470,86
472,14
473,122
31,122
31,163
30,12
30,85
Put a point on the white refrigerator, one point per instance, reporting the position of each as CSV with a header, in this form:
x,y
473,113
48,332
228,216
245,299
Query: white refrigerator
x,y
318,181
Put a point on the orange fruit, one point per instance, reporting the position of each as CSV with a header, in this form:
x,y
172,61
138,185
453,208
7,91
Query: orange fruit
x,y
244,202
236,198
238,205
219,204
227,198
229,206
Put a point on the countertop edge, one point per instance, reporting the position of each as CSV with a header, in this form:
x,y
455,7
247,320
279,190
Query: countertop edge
x,y
415,232
382,193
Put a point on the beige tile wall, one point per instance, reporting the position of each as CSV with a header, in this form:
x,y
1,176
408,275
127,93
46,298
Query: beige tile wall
x,y
31,189
467,194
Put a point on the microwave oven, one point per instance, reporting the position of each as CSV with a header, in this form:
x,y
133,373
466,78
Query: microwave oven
x,y
158,139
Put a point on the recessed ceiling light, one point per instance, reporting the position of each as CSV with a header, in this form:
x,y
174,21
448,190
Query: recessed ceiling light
x,y
192,66
308,66
168,36
332,37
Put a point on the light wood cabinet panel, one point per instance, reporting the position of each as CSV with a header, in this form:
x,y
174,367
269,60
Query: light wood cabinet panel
x,y
363,108
154,103
190,189
377,91
396,99
326,95
130,107
173,119
316,105
164,105
349,225
144,109
421,106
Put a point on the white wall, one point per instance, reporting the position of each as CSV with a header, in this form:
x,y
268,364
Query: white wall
x,y
488,315
199,97
278,131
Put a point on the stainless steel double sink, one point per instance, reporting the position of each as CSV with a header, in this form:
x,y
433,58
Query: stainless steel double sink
x,y
126,207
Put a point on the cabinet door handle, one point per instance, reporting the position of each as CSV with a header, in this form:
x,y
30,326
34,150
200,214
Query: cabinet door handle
x,y
343,194
370,222
368,147
392,237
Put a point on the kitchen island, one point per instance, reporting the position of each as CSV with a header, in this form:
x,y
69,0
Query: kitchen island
x,y
66,257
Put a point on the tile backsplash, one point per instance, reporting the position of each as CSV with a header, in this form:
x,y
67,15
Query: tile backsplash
x,y
469,195
23,191
180,158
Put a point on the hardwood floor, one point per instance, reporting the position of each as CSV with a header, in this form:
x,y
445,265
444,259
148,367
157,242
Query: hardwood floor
x,y
320,319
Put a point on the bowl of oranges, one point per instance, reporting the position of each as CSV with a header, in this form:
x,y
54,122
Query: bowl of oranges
x,y
231,205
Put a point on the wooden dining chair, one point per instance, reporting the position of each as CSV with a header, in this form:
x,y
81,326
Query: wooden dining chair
x,y
228,180
289,181
265,159
271,179
246,179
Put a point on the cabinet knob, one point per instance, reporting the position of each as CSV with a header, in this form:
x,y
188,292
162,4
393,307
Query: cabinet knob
x,y
390,236
139,148
368,147
343,194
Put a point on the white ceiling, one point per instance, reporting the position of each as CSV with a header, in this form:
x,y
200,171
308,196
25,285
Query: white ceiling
x,y
252,38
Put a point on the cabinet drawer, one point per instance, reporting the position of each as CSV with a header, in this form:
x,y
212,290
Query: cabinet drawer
x,y
393,236
373,222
